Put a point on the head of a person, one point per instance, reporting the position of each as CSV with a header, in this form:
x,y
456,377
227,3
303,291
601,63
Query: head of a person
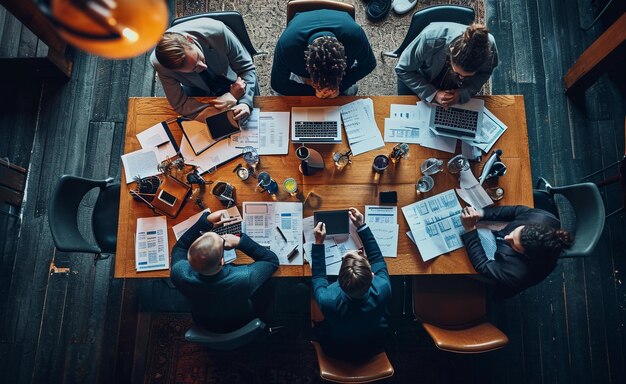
x,y
326,63
355,275
206,254
536,240
470,51
178,52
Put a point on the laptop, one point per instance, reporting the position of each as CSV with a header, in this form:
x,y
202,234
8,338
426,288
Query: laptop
x,y
316,125
461,121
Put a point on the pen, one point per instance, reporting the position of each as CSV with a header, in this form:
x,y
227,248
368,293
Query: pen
x,y
281,233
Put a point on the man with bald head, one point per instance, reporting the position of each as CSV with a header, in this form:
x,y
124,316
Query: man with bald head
x,y
223,297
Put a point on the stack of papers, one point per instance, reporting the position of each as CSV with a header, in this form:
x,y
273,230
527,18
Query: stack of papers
x,y
159,137
361,128
383,222
151,248
141,163
471,191
435,224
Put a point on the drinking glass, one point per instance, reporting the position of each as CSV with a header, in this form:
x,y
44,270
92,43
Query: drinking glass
x,y
381,162
399,152
264,180
291,185
342,159
457,164
425,184
243,173
431,166
251,157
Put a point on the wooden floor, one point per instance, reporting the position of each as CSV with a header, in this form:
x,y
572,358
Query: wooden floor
x,y
80,326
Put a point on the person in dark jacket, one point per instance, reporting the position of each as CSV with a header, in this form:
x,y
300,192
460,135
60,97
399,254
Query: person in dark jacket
x,y
521,254
354,306
223,297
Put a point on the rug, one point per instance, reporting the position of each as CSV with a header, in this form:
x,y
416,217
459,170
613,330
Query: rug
x,y
265,21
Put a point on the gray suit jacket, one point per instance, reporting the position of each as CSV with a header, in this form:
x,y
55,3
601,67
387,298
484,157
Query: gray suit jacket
x,y
425,57
224,55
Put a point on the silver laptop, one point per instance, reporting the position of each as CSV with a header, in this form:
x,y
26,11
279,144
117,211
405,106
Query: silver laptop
x,y
316,125
460,121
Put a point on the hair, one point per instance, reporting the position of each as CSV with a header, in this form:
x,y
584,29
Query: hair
x,y
326,62
473,49
171,50
205,255
355,275
539,240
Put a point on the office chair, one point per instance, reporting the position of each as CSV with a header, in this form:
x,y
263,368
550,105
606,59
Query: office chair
x,y
376,368
226,341
297,6
63,210
436,13
588,207
233,20
452,310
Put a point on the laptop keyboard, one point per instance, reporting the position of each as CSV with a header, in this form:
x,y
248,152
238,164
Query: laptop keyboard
x,y
233,229
316,128
456,120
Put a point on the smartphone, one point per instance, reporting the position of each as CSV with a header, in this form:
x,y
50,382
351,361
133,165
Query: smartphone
x,y
388,197
167,198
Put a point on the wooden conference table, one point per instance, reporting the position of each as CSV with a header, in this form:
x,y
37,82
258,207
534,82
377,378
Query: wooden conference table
x,y
353,186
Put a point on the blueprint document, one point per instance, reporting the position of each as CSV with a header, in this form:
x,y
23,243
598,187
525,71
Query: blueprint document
x,y
277,226
435,224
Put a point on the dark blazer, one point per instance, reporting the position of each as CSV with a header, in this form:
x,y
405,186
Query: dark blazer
x,y
352,328
221,302
511,272
290,48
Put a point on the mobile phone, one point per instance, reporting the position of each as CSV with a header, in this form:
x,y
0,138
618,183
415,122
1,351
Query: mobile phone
x,y
167,198
388,197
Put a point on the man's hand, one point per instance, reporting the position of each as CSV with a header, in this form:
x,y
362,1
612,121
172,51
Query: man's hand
x,y
447,98
242,112
469,218
356,217
320,233
238,88
327,93
230,241
220,217
224,102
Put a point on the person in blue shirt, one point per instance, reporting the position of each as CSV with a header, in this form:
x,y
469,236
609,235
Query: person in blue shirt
x,y
223,297
323,53
354,306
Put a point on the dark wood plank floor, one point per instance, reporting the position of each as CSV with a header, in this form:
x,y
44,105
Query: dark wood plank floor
x,y
80,326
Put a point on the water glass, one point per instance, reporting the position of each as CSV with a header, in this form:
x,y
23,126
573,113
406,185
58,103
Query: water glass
x,y
342,159
251,157
399,152
425,184
457,164
431,166
243,173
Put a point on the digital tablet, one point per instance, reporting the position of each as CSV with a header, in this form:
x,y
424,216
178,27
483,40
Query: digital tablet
x,y
337,222
222,125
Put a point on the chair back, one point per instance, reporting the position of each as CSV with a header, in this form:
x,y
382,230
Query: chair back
x,y
105,217
437,13
378,367
233,20
63,211
297,6
590,216
226,341
448,301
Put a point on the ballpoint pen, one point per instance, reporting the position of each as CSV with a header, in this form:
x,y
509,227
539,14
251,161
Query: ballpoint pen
x,y
281,233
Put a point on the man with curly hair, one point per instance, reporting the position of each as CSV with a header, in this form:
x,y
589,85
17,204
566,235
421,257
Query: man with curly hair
x,y
323,53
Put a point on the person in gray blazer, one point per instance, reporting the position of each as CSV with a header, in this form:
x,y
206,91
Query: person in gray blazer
x,y
203,57
447,63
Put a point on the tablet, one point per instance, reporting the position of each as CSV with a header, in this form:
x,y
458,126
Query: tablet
x,y
337,222
222,125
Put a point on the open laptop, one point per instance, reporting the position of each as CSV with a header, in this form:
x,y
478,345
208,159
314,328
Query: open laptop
x,y
460,121
316,125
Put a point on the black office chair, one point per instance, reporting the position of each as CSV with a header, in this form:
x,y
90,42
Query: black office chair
x,y
588,207
234,21
436,13
63,210
226,341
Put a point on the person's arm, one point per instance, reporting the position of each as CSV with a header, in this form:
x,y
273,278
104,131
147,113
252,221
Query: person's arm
x,y
281,72
241,62
374,254
179,252
504,213
409,70
365,62
180,102
493,270
473,84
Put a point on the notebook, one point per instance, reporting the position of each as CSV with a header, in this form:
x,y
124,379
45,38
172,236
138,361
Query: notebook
x,y
316,125
460,121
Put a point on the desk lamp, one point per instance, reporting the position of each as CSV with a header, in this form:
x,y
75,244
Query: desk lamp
x,y
115,29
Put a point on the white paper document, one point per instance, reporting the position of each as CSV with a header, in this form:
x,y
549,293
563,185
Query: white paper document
x,y
151,247
360,125
386,236
332,254
403,131
274,133
249,135
182,227
277,226
471,191
489,133
156,137
141,163
381,214
435,224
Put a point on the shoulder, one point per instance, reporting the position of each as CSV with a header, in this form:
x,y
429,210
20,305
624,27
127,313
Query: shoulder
x,y
200,26
443,29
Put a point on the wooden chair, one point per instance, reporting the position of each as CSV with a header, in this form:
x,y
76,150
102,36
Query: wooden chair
x,y
296,6
452,309
377,368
